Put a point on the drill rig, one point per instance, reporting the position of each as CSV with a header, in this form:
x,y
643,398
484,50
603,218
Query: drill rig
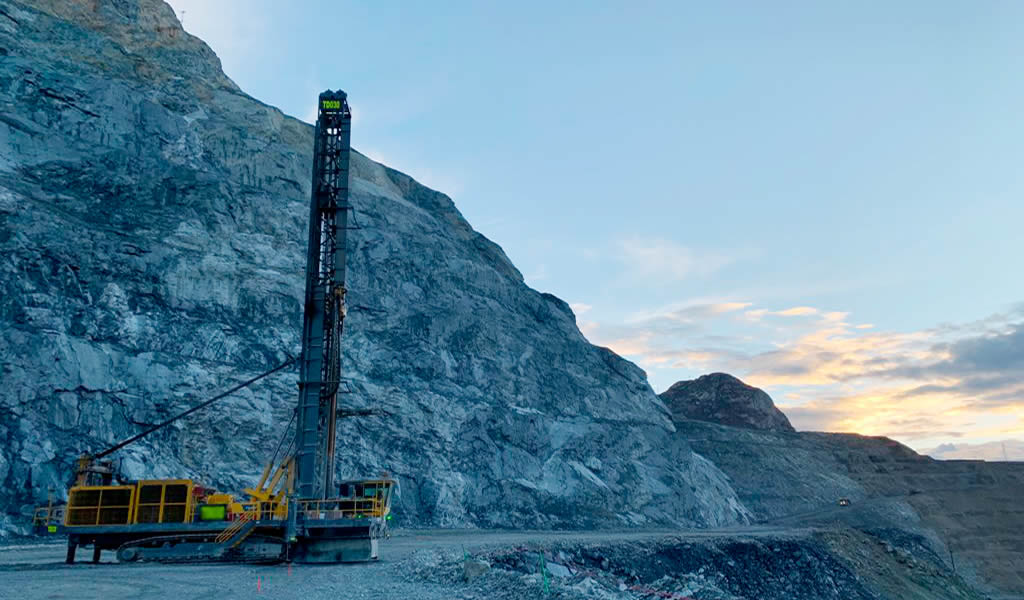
x,y
296,512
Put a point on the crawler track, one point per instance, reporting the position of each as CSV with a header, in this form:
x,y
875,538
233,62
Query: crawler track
x,y
236,555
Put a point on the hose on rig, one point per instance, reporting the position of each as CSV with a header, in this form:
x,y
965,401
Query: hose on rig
x,y
202,405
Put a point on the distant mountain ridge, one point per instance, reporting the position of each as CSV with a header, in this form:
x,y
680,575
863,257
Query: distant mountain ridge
x,y
1004,450
968,509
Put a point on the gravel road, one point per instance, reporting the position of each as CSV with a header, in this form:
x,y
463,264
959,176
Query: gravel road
x,y
37,571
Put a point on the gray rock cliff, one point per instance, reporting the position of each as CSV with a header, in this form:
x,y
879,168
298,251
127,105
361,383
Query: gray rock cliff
x,y
152,231
970,509
721,398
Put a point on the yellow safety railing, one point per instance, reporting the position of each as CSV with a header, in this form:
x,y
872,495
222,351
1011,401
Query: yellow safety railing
x,y
236,525
343,508
48,515
359,499
164,501
100,505
265,511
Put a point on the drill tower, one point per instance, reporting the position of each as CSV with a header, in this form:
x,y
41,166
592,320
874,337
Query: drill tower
x,y
324,309
295,512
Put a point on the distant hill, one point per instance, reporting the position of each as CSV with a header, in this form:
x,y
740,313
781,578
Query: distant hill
x,y
721,398
1004,450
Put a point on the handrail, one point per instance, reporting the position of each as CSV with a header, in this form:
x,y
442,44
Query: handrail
x,y
343,508
263,511
246,383
235,526
47,515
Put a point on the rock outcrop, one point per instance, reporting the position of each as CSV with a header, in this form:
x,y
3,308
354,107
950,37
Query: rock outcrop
x,y
721,398
152,232
969,510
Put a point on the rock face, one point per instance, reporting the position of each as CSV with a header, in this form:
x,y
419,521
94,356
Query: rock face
x,y
967,509
721,398
152,232
842,564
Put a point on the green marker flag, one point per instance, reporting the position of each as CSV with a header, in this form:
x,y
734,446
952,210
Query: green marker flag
x,y
544,574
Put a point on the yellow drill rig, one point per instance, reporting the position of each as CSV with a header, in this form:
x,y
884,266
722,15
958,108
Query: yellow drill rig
x,y
296,511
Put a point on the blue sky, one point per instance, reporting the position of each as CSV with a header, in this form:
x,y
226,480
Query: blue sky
x,y
821,198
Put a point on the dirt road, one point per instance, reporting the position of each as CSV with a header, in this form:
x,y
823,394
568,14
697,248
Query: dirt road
x,y
37,571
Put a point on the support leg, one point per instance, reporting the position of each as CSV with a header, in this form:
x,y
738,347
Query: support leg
x,y
72,546
96,553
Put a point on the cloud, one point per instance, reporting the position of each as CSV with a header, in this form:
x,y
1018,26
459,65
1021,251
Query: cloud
x,y
687,312
988,369
580,308
649,337
797,311
914,386
311,116
994,352
1009,387
998,450
539,273
665,260
924,386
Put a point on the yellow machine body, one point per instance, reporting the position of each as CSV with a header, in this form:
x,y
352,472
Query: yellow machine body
x,y
184,501
147,501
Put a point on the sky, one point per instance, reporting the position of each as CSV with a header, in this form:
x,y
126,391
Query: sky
x,y
823,199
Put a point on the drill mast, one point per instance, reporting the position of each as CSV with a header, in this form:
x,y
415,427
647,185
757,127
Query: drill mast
x,y
298,513
324,309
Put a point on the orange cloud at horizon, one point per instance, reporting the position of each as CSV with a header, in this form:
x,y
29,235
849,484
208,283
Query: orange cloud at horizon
x,y
913,386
